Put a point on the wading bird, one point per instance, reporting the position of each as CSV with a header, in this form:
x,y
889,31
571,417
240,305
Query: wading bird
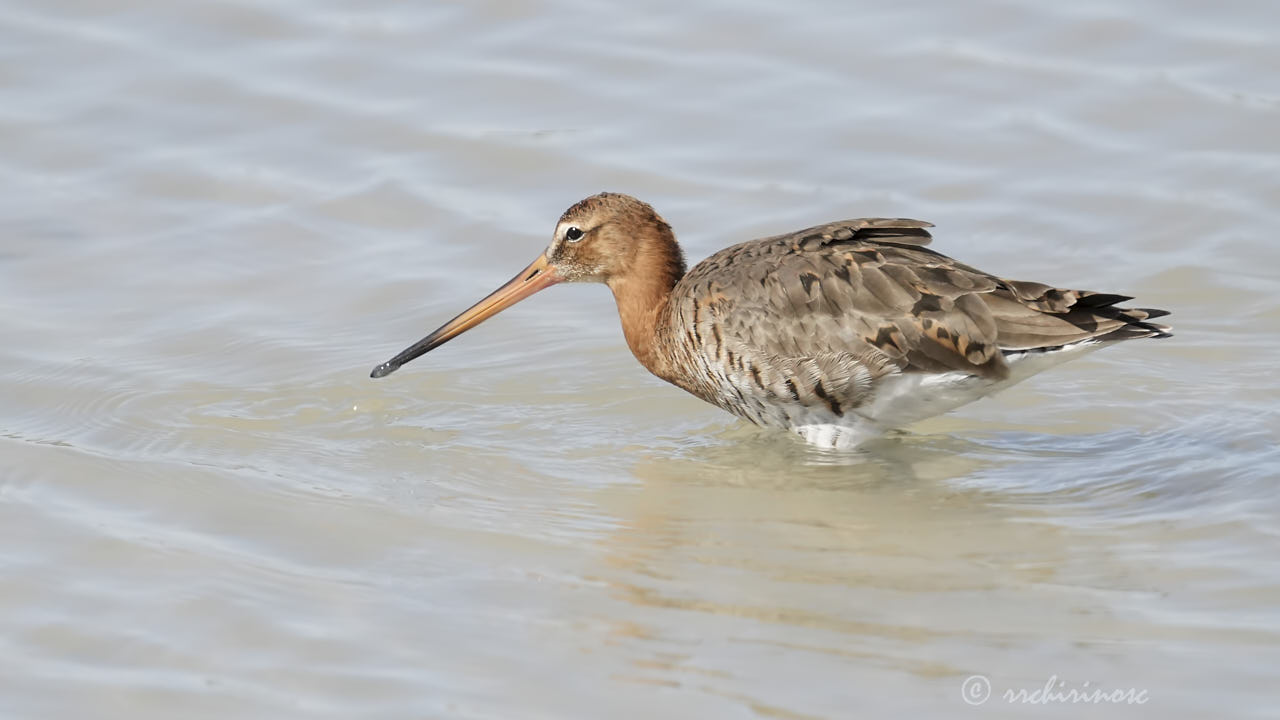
x,y
837,332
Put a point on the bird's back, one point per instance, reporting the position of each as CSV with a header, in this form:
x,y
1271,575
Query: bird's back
x,y
826,323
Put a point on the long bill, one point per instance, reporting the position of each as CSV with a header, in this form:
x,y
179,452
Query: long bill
x,y
540,275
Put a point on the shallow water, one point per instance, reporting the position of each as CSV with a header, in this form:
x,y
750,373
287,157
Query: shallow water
x,y
215,218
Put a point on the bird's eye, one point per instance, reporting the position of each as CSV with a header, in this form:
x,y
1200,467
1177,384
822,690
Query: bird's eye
x,y
572,234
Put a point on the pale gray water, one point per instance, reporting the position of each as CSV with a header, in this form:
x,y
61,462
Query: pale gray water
x,y
215,218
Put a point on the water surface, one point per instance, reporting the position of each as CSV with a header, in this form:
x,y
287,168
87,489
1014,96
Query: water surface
x,y
215,218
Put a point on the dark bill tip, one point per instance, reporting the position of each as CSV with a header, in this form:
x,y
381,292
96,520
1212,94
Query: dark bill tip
x,y
384,370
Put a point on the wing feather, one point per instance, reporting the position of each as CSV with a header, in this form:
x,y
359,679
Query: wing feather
x,y
814,317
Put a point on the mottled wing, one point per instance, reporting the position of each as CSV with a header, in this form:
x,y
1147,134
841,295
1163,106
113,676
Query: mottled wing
x,y
796,318
815,316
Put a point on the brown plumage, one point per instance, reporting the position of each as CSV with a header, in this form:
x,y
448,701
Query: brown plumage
x,y
835,332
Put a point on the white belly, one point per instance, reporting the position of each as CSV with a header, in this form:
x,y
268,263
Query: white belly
x,y
903,399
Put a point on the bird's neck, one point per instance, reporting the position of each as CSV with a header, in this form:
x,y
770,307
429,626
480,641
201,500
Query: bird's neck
x,y
643,296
